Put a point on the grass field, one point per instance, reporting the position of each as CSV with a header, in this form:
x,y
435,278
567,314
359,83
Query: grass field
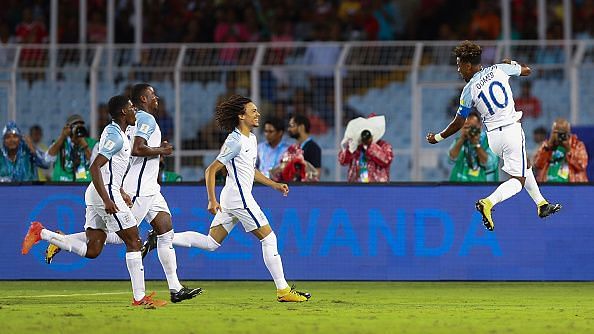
x,y
336,307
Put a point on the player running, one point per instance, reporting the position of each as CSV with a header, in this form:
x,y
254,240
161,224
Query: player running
x,y
106,209
239,116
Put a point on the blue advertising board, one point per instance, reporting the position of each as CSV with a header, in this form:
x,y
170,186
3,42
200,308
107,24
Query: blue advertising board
x,y
332,232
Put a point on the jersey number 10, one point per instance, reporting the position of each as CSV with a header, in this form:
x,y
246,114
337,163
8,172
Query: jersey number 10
x,y
494,98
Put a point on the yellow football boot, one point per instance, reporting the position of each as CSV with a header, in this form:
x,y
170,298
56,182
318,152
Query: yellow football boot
x,y
52,250
484,206
289,294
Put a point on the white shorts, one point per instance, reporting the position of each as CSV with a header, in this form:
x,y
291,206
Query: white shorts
x,y
251,218
147,207
508,142
96,218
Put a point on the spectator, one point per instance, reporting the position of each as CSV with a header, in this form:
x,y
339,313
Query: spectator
x,y
367,155
528,104
485,21
563,157
19,157
298,129
36,135
71,152
473,159
96,30
271,150
31,30
387,14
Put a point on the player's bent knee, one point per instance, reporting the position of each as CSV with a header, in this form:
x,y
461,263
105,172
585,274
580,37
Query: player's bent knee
x,y
211,244
92,253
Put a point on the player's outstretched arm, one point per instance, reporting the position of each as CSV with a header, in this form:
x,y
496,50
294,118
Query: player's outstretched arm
x,y
210,177
95,169
261,178
456,124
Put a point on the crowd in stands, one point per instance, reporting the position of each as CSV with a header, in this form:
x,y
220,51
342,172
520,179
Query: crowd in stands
x,y
224,21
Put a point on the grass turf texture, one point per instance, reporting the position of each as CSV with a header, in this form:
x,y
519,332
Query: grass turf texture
x,y
336,307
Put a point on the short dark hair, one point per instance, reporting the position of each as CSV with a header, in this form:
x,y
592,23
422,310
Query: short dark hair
x,y
475,114
276,123
116,104
302,120
468,52
228,111
35,127
137,92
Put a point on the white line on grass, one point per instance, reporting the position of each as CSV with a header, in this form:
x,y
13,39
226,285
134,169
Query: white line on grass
x,y
70,295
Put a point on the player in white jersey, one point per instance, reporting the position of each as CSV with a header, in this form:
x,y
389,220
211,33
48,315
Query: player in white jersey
x,y
488,90
141,183
106,208
238,155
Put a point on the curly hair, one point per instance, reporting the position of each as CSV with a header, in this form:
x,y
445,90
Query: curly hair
x,y
227,112
468,52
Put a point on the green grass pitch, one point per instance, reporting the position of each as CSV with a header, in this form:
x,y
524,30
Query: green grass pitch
x,y
336,307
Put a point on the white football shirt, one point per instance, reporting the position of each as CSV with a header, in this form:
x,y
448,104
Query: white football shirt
x,y
489,91
239,154
114,146
141,179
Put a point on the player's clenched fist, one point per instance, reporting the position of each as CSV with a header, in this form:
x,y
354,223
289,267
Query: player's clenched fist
x,y
431,138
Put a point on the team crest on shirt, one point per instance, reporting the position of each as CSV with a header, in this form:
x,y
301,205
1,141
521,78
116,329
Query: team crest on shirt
x,y
144,128
109,144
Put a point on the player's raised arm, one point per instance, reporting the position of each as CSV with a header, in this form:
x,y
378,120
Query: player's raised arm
x,y
261,178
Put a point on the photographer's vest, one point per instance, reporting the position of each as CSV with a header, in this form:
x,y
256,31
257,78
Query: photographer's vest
x,y
72,165
467,167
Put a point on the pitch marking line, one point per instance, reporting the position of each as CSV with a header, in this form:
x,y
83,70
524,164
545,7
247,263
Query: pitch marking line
x,y
70,295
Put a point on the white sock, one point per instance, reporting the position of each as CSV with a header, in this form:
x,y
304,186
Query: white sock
x,y
136,270
532,188
195,239
168,260
82,236
113,238
505,190
72,245
273,261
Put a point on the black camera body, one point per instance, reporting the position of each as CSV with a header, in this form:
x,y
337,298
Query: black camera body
x,y
79,130
474,131
365,136
562,136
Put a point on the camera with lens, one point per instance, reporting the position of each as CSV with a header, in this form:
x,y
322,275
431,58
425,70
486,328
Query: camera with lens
x,y
79,130
474,131
365,136
562,136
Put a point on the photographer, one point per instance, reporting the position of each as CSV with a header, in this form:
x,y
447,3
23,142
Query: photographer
x,y
563,157
473,159
368,156
71,152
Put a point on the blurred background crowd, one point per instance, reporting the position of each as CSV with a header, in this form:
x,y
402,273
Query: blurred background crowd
x,y
220,21
296,81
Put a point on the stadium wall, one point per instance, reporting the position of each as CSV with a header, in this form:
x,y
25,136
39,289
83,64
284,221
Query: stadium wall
x,y
332,232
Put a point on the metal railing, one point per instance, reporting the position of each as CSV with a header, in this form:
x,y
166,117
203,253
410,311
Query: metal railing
x,y
331,82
